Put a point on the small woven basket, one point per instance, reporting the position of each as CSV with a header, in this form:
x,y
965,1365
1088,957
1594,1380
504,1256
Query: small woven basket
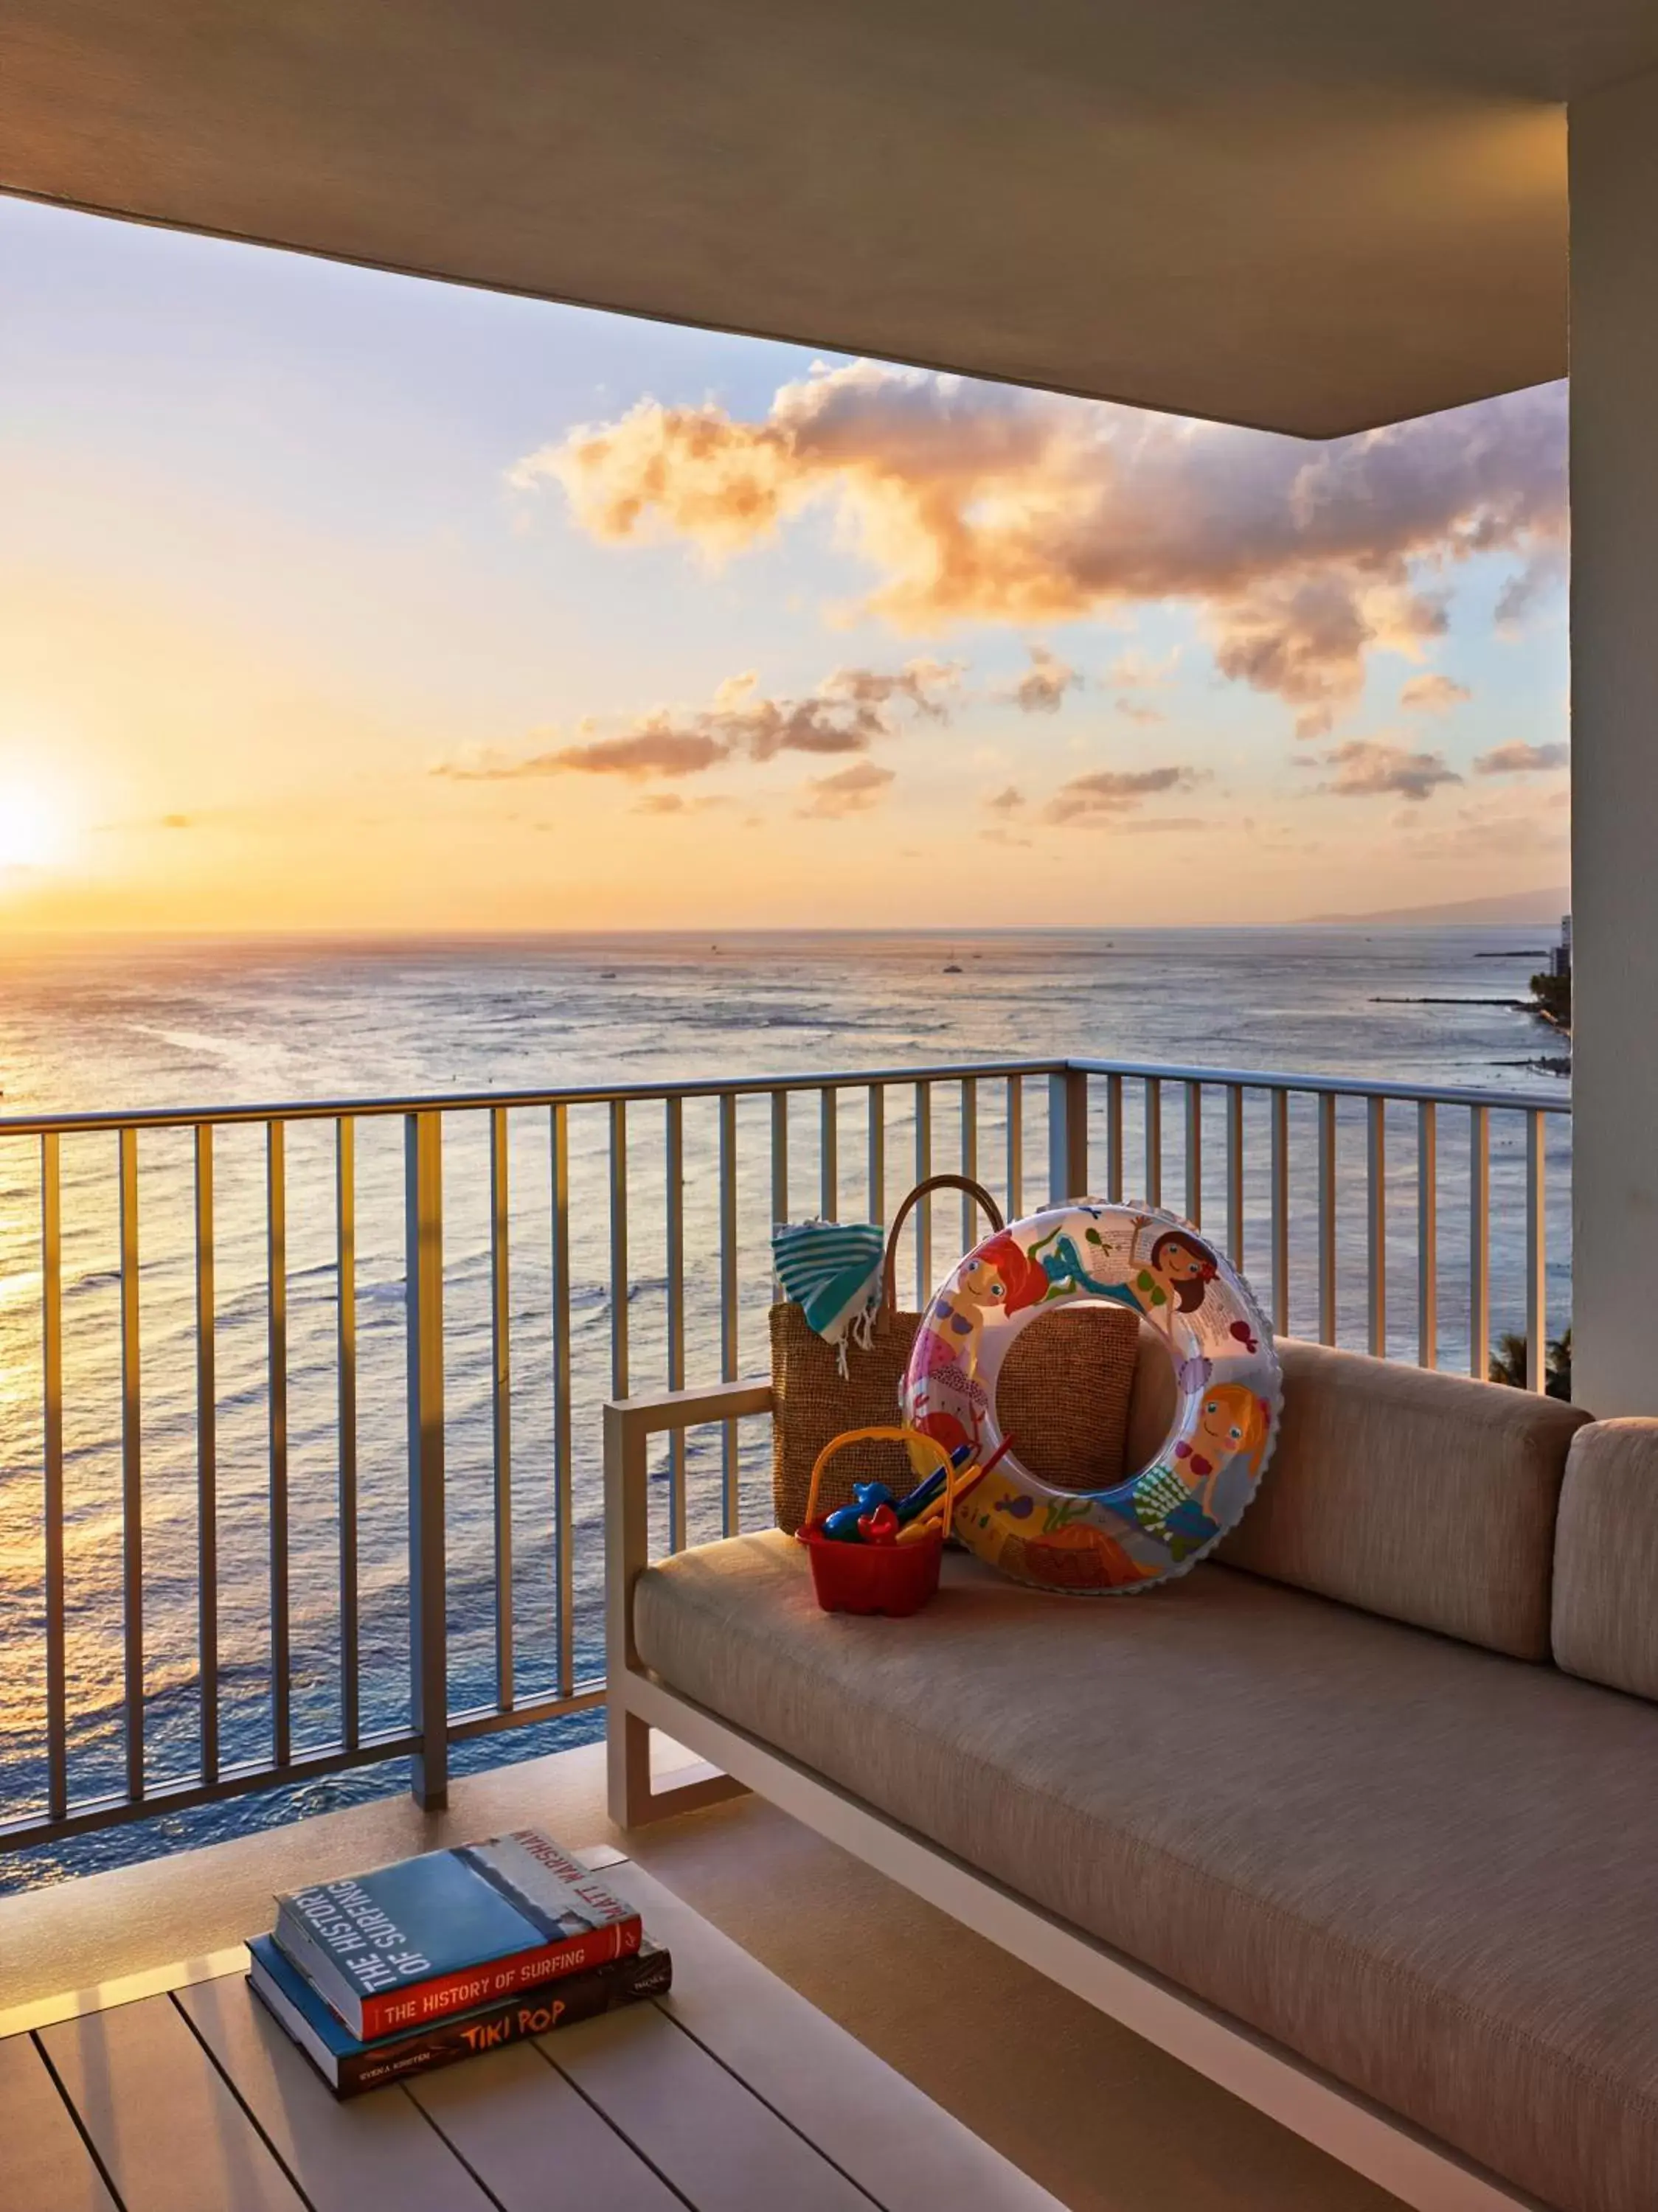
x,y
891,1578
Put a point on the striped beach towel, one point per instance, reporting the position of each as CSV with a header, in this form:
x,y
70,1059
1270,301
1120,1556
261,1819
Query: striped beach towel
x,y
832,1269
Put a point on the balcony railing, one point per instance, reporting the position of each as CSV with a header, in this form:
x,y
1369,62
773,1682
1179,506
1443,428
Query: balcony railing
x,y
299,1405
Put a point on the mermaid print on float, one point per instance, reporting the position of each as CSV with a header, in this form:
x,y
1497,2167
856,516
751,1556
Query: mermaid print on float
x,y
1156,1524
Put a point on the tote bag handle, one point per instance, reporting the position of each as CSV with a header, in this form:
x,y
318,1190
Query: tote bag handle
x,y
976,1191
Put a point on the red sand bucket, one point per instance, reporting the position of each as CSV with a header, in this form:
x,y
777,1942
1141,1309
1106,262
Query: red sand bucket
x,y
890,1578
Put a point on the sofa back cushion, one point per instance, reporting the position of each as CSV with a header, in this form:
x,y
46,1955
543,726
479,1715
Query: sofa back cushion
x,y
1430,1499
1605,1559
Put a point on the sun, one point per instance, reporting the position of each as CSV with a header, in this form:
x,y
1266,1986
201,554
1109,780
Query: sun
x,y
34,825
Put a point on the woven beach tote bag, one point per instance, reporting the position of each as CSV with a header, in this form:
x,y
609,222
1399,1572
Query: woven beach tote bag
x,y
812,1402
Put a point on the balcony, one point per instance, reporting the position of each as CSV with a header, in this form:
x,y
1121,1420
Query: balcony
x,y
302,1412
302,1403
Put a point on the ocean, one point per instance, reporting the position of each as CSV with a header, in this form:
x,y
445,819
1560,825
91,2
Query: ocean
x,y
111,1026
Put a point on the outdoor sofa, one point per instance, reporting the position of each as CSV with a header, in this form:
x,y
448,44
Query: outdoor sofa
x,y
1360,1820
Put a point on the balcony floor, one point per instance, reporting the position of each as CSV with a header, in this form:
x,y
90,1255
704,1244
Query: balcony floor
x,y
919,1990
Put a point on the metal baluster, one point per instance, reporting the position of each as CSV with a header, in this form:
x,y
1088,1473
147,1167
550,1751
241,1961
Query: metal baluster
x,y
619,1282
924,1212
428,1669
132,1502
1154,1141
501,1395
1536,1280
1114,1139
1329,1319
1376,1233
1234,1172
1194,1154
207,1499
730,1467
1281,1211
52,1384
674,1201
1427,1236
351,1637
563,1503
1479,1229
779,1170
275,1268
972,1229
828,1154
1015,1147
877,1151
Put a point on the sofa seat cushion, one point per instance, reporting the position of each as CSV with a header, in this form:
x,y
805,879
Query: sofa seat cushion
x,y
1426,1868
1428,1497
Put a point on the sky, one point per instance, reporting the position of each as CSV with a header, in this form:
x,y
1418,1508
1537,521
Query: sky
x,y
336,600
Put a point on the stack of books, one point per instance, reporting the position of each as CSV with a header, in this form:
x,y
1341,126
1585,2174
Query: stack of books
x,y
442,1957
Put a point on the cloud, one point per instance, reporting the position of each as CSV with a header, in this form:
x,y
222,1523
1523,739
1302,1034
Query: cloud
x,y
852,790
847,714
1041,690
1433,694
978,503
849,711
1521,759
1138,710
1366,766
1306,638
675,802
1521,595
929,686
1006,808
655,747
1109,792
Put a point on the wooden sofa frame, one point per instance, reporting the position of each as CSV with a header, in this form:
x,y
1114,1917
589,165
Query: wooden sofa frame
x,y
1361,2135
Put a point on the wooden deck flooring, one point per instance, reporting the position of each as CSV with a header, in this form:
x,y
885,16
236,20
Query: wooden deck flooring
x,y
731,2096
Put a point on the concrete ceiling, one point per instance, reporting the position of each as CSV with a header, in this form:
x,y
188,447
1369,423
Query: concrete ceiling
x,y
1304,214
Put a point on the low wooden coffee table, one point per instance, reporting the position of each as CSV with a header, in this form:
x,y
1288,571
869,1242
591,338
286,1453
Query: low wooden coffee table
x,y
734,2094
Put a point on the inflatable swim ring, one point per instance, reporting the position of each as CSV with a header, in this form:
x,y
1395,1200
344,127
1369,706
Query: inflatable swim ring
x,y
1153,1525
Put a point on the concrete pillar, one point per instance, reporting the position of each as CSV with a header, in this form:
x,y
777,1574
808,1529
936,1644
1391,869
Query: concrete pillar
x,y
1614,643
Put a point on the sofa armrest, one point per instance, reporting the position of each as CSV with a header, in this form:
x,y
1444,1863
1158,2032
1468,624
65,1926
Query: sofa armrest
x,y
651,1413
630,1423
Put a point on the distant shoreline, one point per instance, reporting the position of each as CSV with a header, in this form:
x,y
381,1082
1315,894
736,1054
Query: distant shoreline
x,y
1534,909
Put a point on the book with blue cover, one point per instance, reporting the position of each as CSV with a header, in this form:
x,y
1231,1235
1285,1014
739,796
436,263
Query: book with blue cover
x,y
349,2066
451,1931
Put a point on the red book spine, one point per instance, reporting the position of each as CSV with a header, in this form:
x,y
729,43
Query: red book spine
x,y
395,2010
